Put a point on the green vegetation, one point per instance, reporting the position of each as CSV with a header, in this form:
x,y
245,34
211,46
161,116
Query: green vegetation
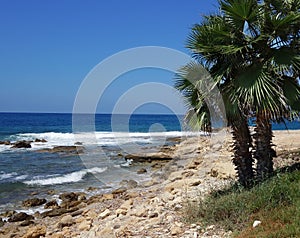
x,y
275,202
250,50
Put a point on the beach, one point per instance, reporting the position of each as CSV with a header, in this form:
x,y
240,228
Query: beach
x,y
153,208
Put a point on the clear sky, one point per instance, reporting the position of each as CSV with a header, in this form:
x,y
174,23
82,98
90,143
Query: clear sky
x,y
48,47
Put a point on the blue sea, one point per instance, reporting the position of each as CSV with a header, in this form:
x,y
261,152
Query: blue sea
x,y
36,170
27,171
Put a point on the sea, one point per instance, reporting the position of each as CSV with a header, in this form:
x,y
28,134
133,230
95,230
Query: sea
x,y
40,172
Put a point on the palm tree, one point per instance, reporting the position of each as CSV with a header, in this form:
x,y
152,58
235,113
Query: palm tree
x,y
251,49
267,80
191,80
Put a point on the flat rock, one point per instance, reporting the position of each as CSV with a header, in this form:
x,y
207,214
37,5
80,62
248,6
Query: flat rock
x,y
58,212
64,149
149,157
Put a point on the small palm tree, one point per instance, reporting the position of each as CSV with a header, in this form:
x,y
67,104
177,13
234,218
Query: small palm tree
x,y
266,81
251,49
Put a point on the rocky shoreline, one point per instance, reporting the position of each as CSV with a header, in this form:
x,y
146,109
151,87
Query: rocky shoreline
x,y
149,209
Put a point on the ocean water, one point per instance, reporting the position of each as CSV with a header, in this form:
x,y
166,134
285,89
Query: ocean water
x,y
102,165
24,172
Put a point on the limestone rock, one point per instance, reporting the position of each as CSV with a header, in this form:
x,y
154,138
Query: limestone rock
x,y
175,176
119,190
69,196
58,212
106,232
35,232
26,223
127,204
132,184
141,171
166,197
104,214
108,196
57,235
70,204
176,231
149,157
85,225
64,149
51,204
140,211
33,202
153,214
66,220
21,216
121,211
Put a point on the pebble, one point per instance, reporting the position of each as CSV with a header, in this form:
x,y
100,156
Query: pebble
x,y
104,214
85,225
175,230
66,220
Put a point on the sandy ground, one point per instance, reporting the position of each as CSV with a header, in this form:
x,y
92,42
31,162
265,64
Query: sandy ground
x,y
287,140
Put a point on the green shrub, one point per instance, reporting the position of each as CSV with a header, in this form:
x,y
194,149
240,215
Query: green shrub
x,y
275,201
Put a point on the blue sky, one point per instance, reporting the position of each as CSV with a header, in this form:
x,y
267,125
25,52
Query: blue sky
x,y
48,47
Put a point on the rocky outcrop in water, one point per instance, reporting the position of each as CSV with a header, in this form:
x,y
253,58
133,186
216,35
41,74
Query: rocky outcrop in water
x,y
7,142
22,144
63,149
40,140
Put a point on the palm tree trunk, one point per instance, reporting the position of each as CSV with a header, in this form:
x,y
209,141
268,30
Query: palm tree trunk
x,y
263,146
242,159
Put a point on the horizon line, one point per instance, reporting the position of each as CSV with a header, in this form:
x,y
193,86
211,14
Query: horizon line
x,y
86,113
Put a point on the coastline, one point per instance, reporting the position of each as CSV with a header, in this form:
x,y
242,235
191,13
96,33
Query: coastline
x,y
199,165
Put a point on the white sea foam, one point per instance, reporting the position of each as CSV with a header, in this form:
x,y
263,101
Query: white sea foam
x,y
12,176
67,178
52,138
98,138
4,175
33,210
21,177
4,148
